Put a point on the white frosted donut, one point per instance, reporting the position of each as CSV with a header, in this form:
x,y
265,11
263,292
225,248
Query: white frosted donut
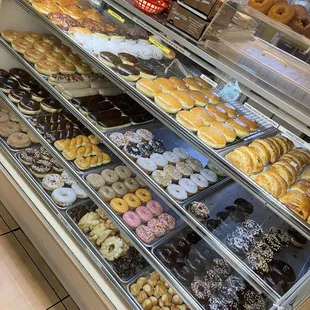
x,y
181,153
190,187
199,180
177,192
146,164
171,157
79,191
159,160
209,175
68,180
64,196
53,181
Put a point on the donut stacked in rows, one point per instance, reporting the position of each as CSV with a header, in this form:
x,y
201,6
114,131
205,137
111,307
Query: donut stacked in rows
x,y
46,52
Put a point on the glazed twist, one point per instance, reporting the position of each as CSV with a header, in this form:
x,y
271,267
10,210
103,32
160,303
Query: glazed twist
x,y
83,151
76,142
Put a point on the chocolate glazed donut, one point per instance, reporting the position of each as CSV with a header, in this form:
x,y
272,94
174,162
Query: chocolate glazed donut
x,y
17,94
4,74
128,72
18,74
7,84
39,94
50,105
29,106
28,83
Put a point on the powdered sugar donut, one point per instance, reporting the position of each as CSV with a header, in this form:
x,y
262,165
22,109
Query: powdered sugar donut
x,y
155,207
145,234
144,213
190,187
177,192
209,175
167,220
199,180
157,227
131,219
159,160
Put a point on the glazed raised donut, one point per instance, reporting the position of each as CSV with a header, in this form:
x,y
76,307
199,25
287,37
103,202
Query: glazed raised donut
x,y
132,201
71,58
21,45
106,193
282,13
61,48
41,167
144,214
155,207
53,181
123,172
119,205
64,196
109,176
33,55
66,67
144,195
54,57
131,219
83,68
132,184
7,128
42,47
32,37
120,189
11,35
46,67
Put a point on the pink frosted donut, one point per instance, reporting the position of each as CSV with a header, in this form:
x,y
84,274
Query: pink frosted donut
x,y
167,220
156,227
131,219
144,213
145,234
155,207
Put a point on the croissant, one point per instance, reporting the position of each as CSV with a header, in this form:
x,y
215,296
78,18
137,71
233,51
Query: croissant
x,y
261,151
306,174
288,175
296,162
83,151
300,155
302,186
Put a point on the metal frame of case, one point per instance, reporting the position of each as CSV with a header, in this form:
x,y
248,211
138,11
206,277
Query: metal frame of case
x,y
217,157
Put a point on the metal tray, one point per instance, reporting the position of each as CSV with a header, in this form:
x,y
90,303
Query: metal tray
x,y
95,249
178,220
16,150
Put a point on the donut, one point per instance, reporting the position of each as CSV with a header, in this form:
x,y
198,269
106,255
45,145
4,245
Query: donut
x,y
131,219
18,140
261,6
17,94
109,176
144,195
61,48
209,175
21,45
181,153
7,128
49,38
55,57
171,157
132,201
282,13
167,220
162,178
195,164
144,214
52,181
132,151
71,58
118,139
6,85
146,164
67,178
66,67
119,205
145,149
173,172
155,207
107,193
4,74
80,192
159,160
40,168
120,189
132,137
157,227
4,117
145,234
140,182
132,184
64,196
185,169
83,68
200,181
18,74
123,172
28,155
145,135
190,187
33,55
113,247
32,37
42,46
46,67
199,209
177,192
158,146
11,35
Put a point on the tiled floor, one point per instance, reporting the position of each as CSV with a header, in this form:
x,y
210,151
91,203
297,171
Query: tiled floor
x,y
26,281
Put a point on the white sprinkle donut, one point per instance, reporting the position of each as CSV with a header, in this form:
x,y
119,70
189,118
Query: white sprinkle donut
x,y
190,187
80,193
177,192
199,180
53,181
64,196
209,175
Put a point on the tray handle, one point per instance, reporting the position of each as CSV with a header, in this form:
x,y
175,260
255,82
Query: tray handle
x,y
264,53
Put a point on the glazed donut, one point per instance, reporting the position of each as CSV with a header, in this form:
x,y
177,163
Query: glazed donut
x,y
131,219
282,13
132,185
155,207
167,220
42,46
144,214
132,201
145,234
54,57
61,48
261,6
11,35
40,168
144,195
83,68
32,37
80,192
18,140
199,180
119,205
190,187
120,189
123,172
66,67
177,192
109,176
7,128
21,45
4,117
50,39
64,196
95,180
71,58
52,181
33,55
46,67
106,193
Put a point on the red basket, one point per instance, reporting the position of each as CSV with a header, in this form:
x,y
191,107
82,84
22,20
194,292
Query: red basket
x,y
151,7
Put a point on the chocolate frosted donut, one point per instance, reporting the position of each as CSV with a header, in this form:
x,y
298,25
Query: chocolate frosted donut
x,y
110,59
27,83
17,94
50,105
29,106
166,255
146,72
283,271
88,99
6,84
128,72
116,122
104,116
18,74
4,74
128,58
180,247
183,273
96,106
39,94
244,205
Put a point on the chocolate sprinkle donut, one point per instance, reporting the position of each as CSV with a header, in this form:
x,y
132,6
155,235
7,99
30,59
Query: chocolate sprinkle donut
x,y
158,146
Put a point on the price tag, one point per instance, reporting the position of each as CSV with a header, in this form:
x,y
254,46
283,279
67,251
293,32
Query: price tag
x,y
208,80
262,115
158,44
117,16
294,137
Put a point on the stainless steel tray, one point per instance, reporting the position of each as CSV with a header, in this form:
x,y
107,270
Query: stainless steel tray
x,y
96,249
16,150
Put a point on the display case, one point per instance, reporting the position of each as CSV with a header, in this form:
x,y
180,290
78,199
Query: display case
x,y
164,133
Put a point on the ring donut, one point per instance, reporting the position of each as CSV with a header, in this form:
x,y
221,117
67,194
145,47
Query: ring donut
x,y
132,200
119,205
144,195
282,13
